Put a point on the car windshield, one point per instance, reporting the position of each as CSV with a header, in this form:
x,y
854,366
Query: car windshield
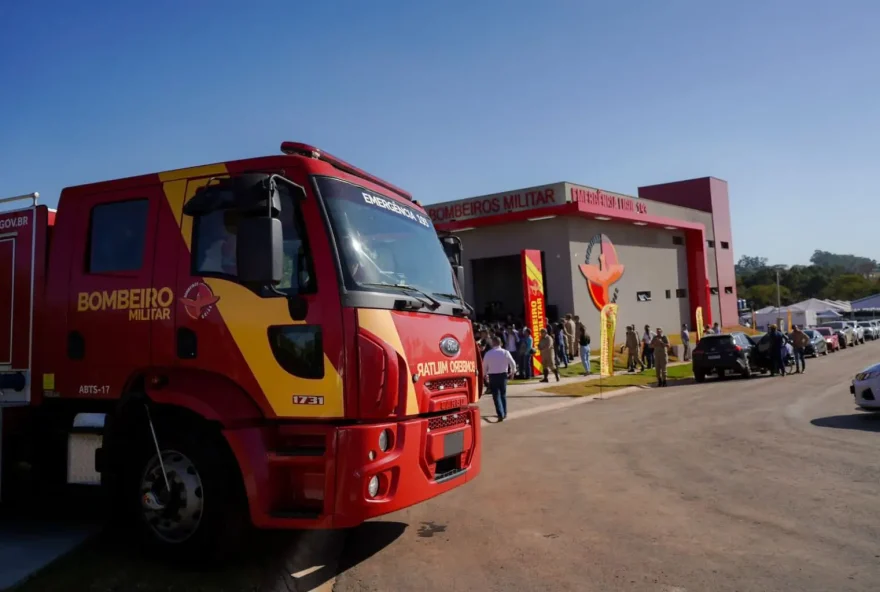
x,y
837,325
384,243
824,331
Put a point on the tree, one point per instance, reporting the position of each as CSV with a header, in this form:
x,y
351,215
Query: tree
x,y
765,295
847,263
749,264
849,286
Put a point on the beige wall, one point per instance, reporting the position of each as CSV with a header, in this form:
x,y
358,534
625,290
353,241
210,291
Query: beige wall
x,y
651,259
549,236
652,263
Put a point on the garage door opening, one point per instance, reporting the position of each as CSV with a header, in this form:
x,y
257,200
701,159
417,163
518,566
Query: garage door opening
x,y
498,288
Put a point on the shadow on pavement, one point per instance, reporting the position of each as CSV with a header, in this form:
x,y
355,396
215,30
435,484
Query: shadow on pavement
x,y
268,561
865,422
366,540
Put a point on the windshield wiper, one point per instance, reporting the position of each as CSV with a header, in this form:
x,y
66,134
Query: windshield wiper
x,y
455,297
426,298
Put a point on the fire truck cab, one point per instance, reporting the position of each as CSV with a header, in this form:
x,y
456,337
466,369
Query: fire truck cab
x,y
280,341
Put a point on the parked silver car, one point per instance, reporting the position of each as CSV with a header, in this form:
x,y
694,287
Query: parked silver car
x,y
870,329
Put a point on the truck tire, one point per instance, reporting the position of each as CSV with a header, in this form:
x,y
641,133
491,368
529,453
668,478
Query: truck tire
x,y
204,514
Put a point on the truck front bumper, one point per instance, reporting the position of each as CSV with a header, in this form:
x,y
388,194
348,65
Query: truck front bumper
x,y
337,476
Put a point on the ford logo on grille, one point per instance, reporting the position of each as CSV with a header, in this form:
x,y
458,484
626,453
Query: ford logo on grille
x,y
449,346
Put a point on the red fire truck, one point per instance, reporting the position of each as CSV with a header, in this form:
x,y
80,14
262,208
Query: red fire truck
x,y
280,341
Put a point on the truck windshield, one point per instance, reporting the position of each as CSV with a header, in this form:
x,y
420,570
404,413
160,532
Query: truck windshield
x,y
385,244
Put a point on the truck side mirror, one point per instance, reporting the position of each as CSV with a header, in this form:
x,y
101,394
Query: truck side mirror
x,y
258,251
459,276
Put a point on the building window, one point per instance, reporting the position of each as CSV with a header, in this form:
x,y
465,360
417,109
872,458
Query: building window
x,y
117,235
713,291
643,296
728,290
668,293
677,240
711,244
725,245
681,293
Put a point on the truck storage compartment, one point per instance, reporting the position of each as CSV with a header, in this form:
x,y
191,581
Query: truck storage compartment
x,y
22,237
7,284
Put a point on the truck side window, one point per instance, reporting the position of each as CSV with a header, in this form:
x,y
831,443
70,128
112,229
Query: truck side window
x,y
117,234
214,238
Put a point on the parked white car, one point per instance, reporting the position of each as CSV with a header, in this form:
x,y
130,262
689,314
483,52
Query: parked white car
x,y
870,329
865,388
860,331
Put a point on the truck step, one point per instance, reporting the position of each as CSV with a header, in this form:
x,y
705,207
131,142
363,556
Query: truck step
x,y
301,451
311,456
296,514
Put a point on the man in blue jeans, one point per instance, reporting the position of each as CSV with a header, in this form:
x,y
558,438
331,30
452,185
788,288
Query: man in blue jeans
x,y
800,341
498,366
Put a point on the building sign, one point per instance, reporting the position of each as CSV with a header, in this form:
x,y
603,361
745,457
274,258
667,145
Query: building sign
x,y
533,291
609,201
501,203
545,196
601,269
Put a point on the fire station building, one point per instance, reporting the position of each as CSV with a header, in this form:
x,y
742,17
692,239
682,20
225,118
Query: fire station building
x,y
658,256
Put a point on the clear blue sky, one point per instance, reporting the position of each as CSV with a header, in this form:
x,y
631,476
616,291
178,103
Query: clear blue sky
x,y
454,99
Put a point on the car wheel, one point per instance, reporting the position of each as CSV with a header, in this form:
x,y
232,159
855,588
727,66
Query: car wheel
x,y
699,376
747,371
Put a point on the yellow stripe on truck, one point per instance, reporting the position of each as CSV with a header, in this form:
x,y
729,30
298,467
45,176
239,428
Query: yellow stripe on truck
x,y
248,317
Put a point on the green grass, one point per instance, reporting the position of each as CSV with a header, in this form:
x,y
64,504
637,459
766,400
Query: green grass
x,y
589,388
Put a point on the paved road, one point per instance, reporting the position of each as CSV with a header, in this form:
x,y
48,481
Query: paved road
x,y
767,484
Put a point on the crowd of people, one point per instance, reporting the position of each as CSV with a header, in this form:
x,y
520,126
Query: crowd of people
x,y
508,350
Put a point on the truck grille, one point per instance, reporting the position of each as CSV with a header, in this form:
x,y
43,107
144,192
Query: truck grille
x,y
447,421
446,384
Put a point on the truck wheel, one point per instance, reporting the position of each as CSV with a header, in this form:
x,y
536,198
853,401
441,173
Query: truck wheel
x,y
205,511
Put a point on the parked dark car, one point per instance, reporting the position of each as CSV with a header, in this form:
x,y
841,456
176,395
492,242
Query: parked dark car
x,y
723,354
817,344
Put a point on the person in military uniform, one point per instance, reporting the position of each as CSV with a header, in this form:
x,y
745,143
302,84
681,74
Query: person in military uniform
x,y
632,349
660,345
545,346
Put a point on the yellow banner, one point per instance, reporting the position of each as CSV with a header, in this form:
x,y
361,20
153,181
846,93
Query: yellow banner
x,y
754,320
608,324
788,326
699,316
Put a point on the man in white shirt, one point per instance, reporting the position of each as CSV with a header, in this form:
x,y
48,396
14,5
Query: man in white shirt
x,y
498,365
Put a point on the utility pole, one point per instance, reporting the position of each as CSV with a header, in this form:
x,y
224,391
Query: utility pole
x,y
778,303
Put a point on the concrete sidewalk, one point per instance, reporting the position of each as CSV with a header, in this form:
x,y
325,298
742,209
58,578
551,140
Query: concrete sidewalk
x,y
28,545
528,397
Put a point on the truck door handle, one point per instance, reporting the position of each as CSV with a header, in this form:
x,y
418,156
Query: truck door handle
x,y
76,345
187,344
